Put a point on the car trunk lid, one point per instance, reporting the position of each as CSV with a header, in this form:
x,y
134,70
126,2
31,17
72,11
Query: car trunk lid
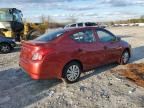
x,y
30,47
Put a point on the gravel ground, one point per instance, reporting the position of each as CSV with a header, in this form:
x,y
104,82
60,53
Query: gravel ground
x,y
99,88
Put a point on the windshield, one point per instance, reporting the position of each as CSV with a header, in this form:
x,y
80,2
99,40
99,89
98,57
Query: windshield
x,y
17,16
50,36
5,16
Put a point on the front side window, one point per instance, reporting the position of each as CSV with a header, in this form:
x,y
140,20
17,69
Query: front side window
x,y
105,36
84,36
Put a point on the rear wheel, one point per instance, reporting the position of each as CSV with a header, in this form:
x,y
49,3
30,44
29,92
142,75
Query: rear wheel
x,y
71,72
125,57
5,48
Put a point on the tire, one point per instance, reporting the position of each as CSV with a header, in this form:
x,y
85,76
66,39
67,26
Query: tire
x,y
125,57
5,48
72,72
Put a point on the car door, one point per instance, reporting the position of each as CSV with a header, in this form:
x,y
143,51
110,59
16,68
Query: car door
x,y
112,48
89,51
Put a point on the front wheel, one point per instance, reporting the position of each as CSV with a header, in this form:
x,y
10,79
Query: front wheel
x,y
125,57
71,72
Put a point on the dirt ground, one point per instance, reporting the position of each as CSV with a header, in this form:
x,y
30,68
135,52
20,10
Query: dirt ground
x,y
109,86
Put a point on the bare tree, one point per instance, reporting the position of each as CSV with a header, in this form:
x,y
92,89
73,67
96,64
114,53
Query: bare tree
x,y
24,20
42,18
48,21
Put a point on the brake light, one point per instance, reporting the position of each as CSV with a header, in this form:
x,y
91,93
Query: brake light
x,y
37,56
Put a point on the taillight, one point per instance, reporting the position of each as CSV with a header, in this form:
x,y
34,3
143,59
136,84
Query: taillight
x,y
37,56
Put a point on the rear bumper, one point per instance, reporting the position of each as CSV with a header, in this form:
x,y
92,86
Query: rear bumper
x,y
36,70
33,75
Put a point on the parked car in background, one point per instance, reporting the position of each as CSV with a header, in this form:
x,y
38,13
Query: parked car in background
x,y
85,24
81,24
65,53
6,44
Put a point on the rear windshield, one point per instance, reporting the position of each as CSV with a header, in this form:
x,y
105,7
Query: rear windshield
x,y
50,35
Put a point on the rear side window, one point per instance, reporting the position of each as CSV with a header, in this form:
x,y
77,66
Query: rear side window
x,y
84,36
50,36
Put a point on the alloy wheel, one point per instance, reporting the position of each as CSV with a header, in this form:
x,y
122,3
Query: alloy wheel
x,y
73,73
125,57
5,48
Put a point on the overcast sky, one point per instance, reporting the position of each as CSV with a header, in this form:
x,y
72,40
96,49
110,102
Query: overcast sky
x,y
83,10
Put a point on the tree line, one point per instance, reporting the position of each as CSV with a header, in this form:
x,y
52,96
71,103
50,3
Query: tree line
x,y
135,20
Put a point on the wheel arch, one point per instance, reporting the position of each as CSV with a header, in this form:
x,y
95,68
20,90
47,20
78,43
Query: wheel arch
x,y
125,49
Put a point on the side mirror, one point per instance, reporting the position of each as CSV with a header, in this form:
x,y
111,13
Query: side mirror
x,y
118,38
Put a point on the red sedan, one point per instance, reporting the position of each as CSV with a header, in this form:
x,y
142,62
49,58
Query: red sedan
x,y
65,53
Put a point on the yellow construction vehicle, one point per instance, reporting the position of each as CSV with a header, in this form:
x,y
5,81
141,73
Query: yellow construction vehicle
x,y
12,25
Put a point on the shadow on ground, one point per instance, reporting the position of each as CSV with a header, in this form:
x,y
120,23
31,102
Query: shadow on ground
x,y
137,54
18,90
98,70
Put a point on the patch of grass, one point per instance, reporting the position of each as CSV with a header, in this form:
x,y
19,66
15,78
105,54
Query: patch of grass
x,y
134,72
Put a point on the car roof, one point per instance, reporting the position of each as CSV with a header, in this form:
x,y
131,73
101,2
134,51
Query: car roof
x,y
81,22
81,28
